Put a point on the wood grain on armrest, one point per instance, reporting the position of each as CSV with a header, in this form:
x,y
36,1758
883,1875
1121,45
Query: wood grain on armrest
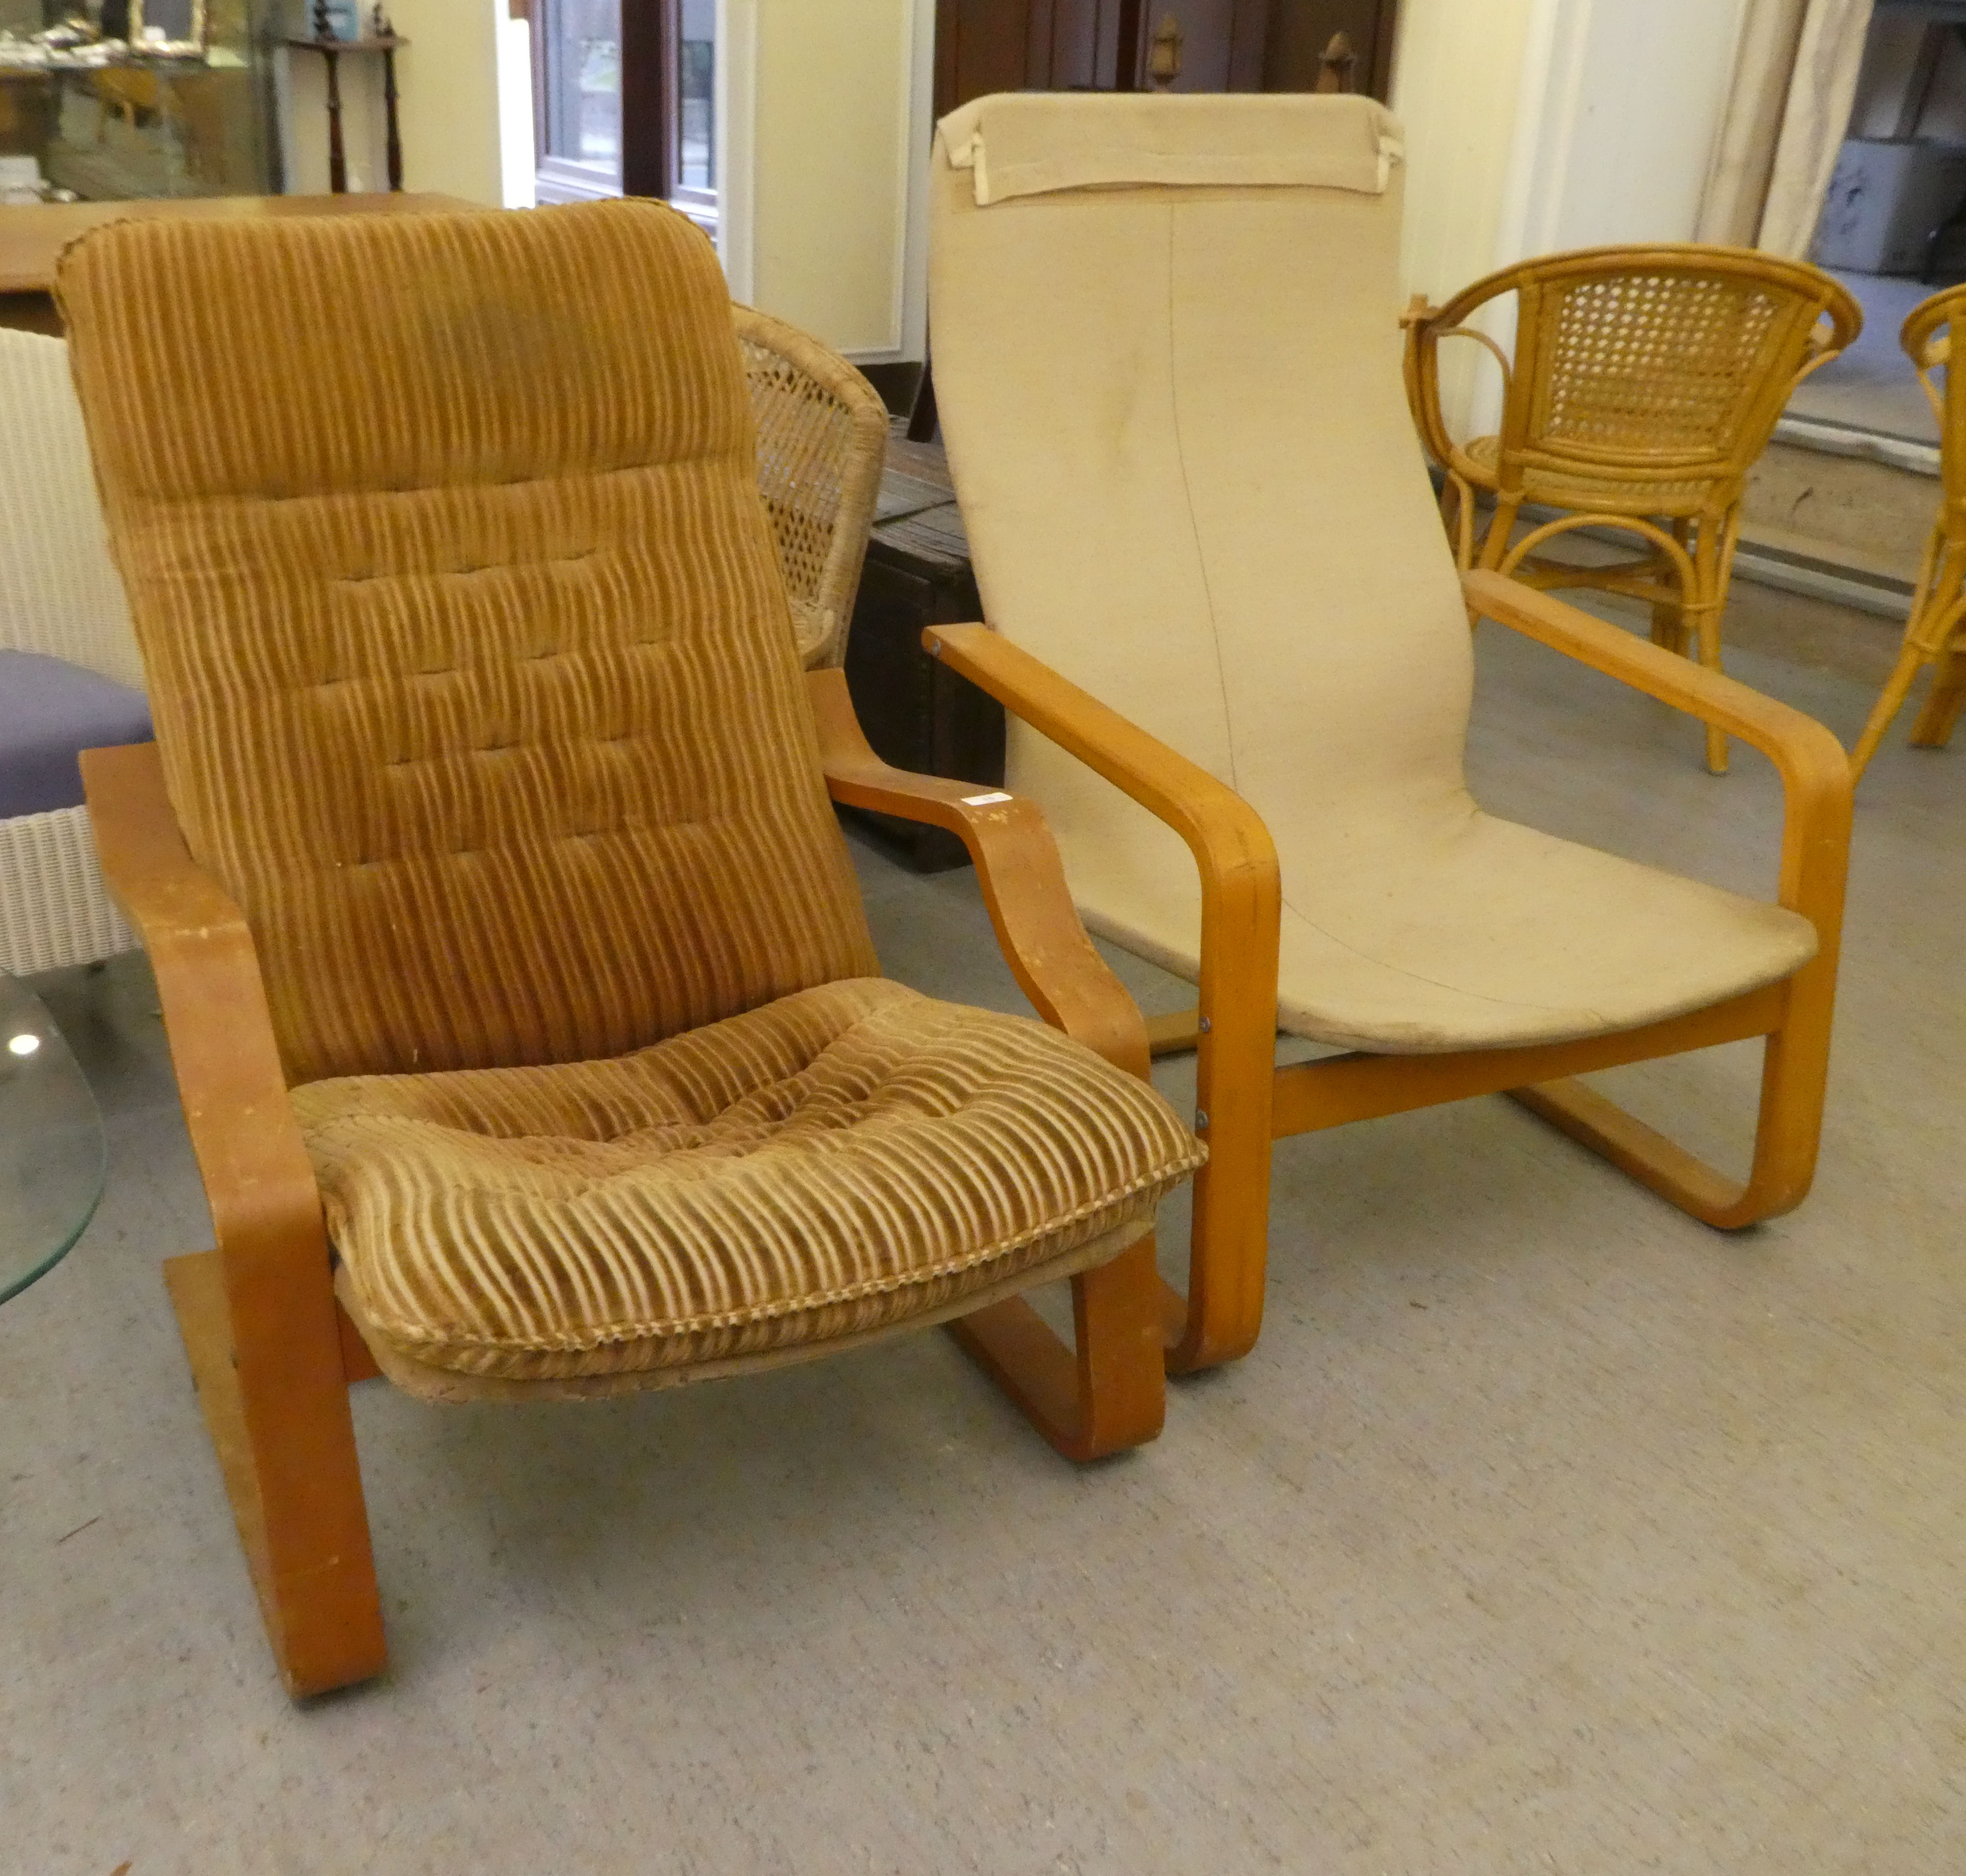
x,y
1814,770
258,1178
1071,986
1242,893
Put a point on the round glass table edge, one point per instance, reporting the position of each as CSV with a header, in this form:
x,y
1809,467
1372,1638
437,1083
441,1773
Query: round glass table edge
x,y
54,1156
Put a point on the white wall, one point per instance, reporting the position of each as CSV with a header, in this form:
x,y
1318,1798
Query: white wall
x,y
1537,125
452,85
826,119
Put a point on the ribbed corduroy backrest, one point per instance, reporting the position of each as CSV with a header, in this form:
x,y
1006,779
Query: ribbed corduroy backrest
x,y
465,632
1167,358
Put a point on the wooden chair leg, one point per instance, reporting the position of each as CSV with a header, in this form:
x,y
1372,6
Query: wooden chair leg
x,y
279,1421
1891,701
1670,630
1932,727
1108,1393
1175,1034
1795,1070
1703,613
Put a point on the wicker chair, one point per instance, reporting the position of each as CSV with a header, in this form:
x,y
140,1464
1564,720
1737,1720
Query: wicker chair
x,y
822,441
59,595
1645,381
1936,633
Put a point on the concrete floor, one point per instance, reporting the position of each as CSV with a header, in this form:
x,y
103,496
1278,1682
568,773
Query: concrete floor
x,y
1544,1531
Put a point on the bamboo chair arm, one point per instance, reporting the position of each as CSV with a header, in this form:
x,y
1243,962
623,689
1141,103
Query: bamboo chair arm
x,y
1018,865
258,1179
1814,770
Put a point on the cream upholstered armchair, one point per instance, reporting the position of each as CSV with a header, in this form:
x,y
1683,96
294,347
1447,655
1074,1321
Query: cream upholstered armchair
x,y
1167,359
530,1035
69,674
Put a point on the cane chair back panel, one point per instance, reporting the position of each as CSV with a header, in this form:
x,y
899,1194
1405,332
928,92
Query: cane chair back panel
x,y
1669,364
473,677
822,441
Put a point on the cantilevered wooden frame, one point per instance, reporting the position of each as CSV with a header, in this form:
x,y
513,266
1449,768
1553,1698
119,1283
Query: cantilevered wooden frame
x,y
273,1354
1245,1101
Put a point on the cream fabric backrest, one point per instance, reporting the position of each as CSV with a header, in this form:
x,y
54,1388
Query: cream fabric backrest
x,y
1168,360
59,591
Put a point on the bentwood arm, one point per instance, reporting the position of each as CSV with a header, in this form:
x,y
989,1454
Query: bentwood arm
x,y
1241,911
1236,1023
1018,865
256,1173
1814,770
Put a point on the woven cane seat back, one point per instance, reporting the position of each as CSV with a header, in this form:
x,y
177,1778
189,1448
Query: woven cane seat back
x,y
472,673
822,438
1655,363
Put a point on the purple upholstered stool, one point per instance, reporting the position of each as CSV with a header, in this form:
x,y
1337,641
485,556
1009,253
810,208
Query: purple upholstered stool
x,y
50,711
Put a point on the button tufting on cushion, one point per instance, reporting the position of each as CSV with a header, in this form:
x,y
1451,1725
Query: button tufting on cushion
x,y
836,1162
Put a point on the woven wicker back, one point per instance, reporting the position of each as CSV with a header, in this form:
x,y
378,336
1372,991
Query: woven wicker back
x,y
1928,338
822,441
59,591
1666,362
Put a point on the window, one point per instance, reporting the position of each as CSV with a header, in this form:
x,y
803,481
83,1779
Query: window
x,y
624,101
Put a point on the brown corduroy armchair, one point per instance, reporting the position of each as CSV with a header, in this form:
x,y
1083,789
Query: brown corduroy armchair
x,y
530,1033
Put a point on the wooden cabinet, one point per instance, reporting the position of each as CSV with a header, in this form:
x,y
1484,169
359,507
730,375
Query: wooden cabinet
x,y
918,714
984,46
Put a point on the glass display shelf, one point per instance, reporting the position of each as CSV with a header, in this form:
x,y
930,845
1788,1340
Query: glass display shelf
x,y
52,1153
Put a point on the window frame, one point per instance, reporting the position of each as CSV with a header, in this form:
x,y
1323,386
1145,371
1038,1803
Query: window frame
x,y
651,115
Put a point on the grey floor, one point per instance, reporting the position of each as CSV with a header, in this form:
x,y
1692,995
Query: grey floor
x,y
1872,386
1544,1530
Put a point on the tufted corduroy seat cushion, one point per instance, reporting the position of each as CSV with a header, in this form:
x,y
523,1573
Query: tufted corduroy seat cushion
x,y
842,1160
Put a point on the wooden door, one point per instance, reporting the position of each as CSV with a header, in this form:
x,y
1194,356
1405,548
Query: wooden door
x,y
984,46
1301,31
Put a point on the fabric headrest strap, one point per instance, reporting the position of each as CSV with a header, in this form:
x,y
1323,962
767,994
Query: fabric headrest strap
x,y
1039,143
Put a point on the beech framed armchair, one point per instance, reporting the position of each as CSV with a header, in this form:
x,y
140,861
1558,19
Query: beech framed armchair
x,y
1234,644
530,1037
1645,382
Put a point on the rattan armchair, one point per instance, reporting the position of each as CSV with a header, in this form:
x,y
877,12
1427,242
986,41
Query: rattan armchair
x,y
1645,382
1936,633
822,441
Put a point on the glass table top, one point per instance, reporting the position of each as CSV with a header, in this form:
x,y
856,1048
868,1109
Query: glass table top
x,y
51,1146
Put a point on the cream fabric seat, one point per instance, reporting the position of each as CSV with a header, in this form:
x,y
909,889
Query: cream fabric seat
x,y
1167,362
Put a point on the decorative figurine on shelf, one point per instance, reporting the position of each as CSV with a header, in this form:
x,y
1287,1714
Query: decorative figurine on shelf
x,y
379,25
337,19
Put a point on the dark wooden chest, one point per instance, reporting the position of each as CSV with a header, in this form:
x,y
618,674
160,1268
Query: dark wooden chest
x,y
916,714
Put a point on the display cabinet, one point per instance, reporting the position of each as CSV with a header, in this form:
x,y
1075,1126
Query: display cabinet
x,y
109,99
